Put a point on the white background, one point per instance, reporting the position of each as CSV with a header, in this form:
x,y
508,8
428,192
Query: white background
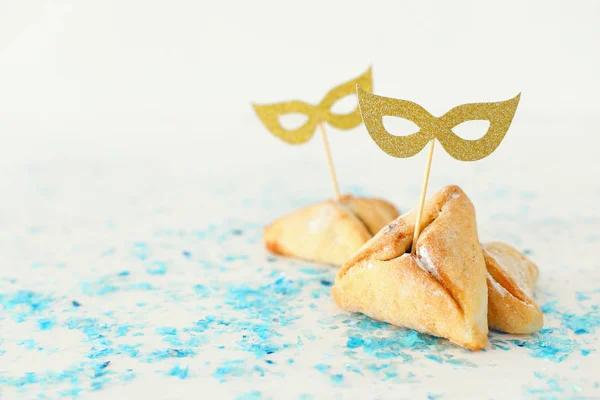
x,y
175,79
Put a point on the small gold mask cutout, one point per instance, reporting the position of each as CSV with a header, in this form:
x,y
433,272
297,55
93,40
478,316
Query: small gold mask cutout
x,y
269,113
500,115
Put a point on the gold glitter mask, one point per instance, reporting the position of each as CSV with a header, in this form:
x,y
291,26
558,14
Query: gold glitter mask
x,y
499,114
269,114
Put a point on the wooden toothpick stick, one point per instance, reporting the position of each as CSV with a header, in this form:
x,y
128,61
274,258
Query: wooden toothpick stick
x,y
423,195
330,162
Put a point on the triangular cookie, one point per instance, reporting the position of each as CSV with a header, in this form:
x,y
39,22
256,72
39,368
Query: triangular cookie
x,y
442,290
373,213
511,280
328,232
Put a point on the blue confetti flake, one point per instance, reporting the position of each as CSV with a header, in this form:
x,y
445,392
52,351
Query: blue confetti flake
x,y
261,371
128,376
73,392
130,350
582,296
313,271
236,258
157,268
122,330
202,291
434,357
179,372
140,250
100,353
322,367
29,344
354,342
549,308
254,395
229,368
585,352
549,343
46,324
100,369
166,331
581,324
99,383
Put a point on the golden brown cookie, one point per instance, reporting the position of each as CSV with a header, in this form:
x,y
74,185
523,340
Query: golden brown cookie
x,y
328,232
511,281
441,290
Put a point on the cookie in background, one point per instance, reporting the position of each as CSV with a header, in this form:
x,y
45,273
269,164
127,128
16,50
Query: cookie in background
x,y
331,231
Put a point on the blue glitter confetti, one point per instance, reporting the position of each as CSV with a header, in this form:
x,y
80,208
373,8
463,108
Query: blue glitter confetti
x,y
29,344
582,296
257,325
157,268
122,330
236,258
255,395
100,369
159,355
166,331
128,376
552,385
74,392
549,308
140,250
229,368
179,372
98,384
46,324
586,352
549,343
322,367
202,290
354,342
24,304
435,358
313,271
581,324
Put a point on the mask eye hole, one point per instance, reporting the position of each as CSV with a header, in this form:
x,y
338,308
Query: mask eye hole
x,y
345,105
399,126
292,121
471,130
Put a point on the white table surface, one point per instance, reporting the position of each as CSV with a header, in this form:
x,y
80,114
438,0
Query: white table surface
x,y
169,270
